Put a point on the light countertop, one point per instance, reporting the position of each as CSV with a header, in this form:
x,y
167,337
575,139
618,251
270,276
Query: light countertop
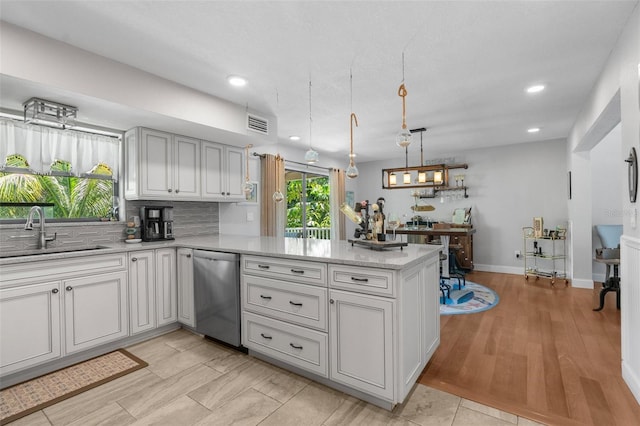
x,y
339,252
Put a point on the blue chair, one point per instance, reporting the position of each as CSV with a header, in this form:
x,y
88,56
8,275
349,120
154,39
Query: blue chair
x,y
610,239
455,271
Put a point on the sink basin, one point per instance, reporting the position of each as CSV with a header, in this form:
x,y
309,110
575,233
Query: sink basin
x,y
36,252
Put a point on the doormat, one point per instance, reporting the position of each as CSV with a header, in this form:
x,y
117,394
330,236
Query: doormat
x,y
33,395
483,299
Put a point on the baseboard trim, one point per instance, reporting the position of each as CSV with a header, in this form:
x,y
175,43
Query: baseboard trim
x,y
582,283
631,380
501,269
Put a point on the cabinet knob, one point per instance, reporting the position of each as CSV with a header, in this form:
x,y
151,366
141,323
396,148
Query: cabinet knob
x,y
54,291
332,301
134,259
170,190
177,190
69,288
189,256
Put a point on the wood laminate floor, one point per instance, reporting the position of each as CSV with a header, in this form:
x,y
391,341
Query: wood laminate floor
x,y
542,353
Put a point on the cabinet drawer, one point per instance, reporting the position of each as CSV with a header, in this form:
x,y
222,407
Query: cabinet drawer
x,y
286,269
362,280
297,303
63,268
304,348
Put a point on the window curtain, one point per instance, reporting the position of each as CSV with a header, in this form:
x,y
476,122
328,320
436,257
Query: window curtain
x,y
337,196
272,214
42,146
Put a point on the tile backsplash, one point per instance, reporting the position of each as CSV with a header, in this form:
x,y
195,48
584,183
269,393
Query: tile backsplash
x,y
191,219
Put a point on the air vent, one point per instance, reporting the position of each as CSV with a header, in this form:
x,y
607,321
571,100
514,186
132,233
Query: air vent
x,y
258,124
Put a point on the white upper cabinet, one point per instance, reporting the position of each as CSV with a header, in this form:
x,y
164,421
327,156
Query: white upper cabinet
x,y
222,168
163,166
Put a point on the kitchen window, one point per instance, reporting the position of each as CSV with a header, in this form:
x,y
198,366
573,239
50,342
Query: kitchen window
x,y
73,174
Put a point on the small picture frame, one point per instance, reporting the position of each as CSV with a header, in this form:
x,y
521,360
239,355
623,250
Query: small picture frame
x,y
538,224
252,196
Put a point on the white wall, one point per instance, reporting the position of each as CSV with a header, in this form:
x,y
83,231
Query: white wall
x,y
508,186
620,79
607,195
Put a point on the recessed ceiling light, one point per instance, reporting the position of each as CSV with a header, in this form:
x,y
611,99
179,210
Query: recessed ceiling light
x,y
294,138
536,88
237,81
533,130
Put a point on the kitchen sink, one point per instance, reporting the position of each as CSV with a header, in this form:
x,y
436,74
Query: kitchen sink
x,y
37,252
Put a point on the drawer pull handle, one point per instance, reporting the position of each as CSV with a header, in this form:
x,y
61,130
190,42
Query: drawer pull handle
x,y
264,336
294,303
297,271
263,266
265,297
295,346
54,291
361,280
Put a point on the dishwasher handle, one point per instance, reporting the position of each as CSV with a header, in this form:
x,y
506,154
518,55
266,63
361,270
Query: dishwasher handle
x,y
216,255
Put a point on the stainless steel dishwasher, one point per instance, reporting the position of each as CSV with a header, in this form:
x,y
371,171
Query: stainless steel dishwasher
x,y
217,295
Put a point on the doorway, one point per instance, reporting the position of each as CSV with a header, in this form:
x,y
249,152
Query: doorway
x,y
308,205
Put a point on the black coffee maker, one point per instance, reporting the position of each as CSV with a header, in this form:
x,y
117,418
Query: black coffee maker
x,y
156,223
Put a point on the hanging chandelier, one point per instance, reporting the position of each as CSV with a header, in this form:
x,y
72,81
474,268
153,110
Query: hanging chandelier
x,y
352,170
310,156
403,138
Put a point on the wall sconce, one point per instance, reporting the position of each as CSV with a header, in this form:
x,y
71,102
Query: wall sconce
x,y
406,178
437,178
393,179
422,176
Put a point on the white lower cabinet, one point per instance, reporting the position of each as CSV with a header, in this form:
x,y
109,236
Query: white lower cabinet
x,y
42,320
186,308
166,287
29,325
142,291
95,310
378,327
361,342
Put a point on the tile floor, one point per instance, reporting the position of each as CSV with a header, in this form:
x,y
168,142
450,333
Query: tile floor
x,y
192,381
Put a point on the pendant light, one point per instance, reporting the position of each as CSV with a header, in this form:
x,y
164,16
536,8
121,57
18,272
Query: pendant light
x,y
247,187
277,195
310,156
352,170
403,138
422,175
406,176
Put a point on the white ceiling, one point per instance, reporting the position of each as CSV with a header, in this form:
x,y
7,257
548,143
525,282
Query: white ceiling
x,y
467,63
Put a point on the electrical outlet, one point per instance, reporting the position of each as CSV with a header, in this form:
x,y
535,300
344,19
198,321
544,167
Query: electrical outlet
x,y
518,254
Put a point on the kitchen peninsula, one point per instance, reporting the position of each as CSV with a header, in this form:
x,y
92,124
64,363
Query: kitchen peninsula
x,y
365,322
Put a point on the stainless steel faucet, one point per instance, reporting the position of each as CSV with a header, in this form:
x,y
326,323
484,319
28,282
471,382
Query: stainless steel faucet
x,y
42,240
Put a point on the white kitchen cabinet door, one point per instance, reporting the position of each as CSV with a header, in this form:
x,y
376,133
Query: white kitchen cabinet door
x,y
29,325
142,291
166,287
95,310
156,172
234,173
361,342
186,302
222,172
212,171
186,168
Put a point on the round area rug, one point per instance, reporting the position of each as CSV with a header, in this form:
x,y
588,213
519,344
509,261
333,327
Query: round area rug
x,y
483,298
